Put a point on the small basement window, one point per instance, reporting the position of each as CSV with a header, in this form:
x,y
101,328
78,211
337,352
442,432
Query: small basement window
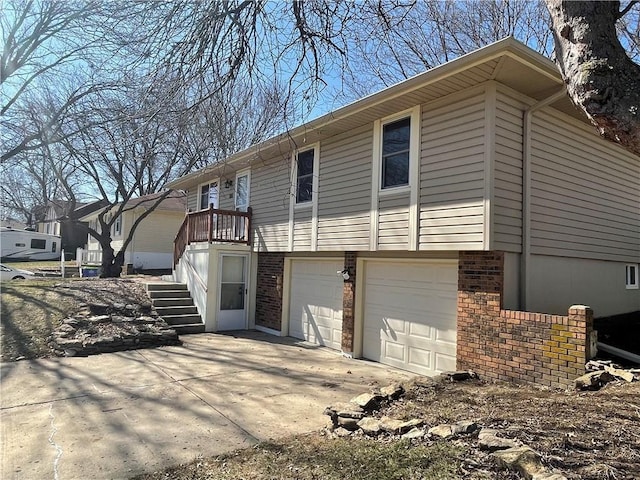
x,y
631,276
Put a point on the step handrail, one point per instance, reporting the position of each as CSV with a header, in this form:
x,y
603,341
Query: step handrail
x,y
185,258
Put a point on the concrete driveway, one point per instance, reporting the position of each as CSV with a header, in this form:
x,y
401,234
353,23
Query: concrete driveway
x,y
117,415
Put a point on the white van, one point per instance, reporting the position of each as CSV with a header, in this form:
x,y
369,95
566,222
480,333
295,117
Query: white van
x,y
27,245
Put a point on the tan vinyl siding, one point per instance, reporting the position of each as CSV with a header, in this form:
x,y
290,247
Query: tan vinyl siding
x,y
584,200
227,200
344,199
507,205
270,187
192,199
393,222
302,229
156,232
452,184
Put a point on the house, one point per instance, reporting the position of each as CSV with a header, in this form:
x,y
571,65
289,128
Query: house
x,y
57,220
151,246
462,219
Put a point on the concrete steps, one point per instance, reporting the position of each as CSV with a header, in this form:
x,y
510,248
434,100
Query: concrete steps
x,y
174,304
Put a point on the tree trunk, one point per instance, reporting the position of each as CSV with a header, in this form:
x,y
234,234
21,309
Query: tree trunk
x,y
111,262
601,79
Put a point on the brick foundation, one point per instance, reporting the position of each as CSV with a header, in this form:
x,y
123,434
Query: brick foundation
x,y
269,290
515,346
348,302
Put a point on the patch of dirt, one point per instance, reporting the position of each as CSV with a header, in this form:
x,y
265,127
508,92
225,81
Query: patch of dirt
x,y
581,435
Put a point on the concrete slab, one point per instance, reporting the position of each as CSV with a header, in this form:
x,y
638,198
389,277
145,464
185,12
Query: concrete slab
x,y
121,414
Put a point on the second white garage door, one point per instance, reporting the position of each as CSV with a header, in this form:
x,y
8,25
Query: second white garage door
x,y
410,315
315,306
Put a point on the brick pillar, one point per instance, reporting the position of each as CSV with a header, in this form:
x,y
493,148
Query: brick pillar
x,y
348,302
480,285
269,290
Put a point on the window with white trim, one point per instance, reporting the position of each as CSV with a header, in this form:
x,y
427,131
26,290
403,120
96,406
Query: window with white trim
x,y
631,276
304,176
209,195
117,226
396,142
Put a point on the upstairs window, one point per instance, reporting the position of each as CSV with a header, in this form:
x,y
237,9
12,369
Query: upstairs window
x,y
396,138
117,226
631,276
304,176
209,195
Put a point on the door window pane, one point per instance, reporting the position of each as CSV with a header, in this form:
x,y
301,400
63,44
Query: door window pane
x,y
232,269
232,296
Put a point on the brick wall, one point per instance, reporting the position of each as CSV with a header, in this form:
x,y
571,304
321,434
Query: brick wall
x,y
269,290
515,346
348,302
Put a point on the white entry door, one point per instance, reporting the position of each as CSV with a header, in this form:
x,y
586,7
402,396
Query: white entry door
x,y
232,298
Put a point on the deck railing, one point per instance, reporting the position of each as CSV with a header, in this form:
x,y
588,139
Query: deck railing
x,y
213,225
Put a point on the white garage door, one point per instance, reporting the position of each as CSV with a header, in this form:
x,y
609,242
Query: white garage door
x,y
315,307
410,315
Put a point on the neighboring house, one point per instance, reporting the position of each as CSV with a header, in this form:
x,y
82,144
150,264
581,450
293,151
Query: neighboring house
x,y
420,225
151,247
11,222
56,221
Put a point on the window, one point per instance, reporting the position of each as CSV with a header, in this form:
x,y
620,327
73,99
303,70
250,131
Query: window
x,y
395,153
39,244
117,226
304,176
20,245
209,195
631,276
53,247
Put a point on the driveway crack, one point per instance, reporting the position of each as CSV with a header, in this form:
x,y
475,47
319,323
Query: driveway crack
x,y
58,448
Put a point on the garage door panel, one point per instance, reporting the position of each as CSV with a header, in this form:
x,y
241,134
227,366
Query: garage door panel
x,y
410,315
315,306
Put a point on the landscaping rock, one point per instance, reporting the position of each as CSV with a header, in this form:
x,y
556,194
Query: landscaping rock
x,y
367,401
458,376
413,433
522,460
593,380
549,476
392,391
341,432
625,375
442,431
348,423
488,440
370,426
464,427
398,427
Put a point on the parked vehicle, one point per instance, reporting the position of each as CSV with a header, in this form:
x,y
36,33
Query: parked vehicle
x,y
10,273
28,245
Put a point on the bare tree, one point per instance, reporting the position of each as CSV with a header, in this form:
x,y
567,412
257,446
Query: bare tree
x,y
601,77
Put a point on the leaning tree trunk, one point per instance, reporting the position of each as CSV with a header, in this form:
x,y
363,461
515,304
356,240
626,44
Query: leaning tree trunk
x,y
601,79
111,262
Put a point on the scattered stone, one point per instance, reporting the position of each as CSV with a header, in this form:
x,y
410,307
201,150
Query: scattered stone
x,y
595,365
341,432
70,352
368,401
549,476
348,423
411,424
72,322
464,427
442,431
522,460
392,391
391,425
458,376
414,433
625,375
100,319
488,440
593,380
370,426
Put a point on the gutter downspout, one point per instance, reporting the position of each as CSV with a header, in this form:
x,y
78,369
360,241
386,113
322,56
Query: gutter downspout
x,y
525,259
